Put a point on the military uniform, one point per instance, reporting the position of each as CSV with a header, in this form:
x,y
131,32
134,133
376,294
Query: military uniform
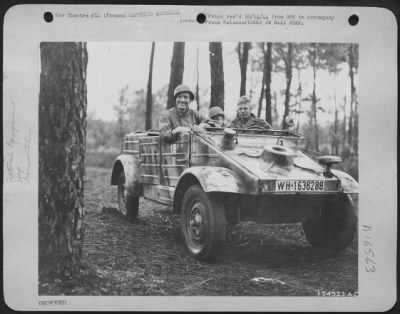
x,y
170,120
214,124
250,123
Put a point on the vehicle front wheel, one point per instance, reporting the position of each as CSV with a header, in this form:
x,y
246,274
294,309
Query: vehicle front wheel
x,y
333,224
203,223
128,205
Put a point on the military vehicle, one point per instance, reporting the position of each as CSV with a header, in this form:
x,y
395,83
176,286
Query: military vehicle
x,y
214,176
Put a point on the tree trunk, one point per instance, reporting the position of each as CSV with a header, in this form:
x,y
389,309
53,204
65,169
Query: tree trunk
x,y
122,110
62,142
268,71
344,124
177,67
299,100
121,132
335,149
262,91
288,68
275,108
149,98
217,75
197,96
243,61
353,97
260,101
314,97
252,87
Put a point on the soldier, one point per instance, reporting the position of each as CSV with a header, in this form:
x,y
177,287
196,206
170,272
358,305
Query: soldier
x,y
245,119
217,117
179,119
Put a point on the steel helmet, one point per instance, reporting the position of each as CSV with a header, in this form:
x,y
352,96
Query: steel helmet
x,y
183,89
215,111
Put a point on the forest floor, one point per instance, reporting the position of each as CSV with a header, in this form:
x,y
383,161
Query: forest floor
x,y
149,258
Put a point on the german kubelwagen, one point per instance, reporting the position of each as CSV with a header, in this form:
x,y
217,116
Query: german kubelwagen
x,y
223,176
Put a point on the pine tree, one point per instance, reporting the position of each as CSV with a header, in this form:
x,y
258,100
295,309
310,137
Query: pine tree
x,y
62,144
177,67
217,75
149,97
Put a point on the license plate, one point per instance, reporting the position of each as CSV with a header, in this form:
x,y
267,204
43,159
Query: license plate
x,y
299,185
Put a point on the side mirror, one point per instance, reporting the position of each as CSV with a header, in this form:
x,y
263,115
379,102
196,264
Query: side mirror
x,y
328,161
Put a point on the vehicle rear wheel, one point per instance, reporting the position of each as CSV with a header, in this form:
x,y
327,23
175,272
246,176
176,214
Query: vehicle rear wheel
x,y
128,205
333,224
203,223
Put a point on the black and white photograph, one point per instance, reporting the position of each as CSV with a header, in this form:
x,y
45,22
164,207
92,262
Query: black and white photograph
x,y
209,169
197,164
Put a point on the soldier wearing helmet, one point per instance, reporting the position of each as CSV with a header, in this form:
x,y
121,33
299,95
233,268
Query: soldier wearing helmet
x,y
217,117
181,118
245,119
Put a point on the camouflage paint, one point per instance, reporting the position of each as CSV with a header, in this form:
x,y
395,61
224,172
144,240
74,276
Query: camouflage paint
x,y
159,167
130,165
175,159
216,179
349,184
149,154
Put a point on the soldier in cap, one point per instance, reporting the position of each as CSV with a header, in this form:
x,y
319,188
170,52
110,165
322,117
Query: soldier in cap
x,y
181,118
217,117
245,119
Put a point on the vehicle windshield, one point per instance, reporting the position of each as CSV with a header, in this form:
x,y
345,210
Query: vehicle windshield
x,y
271,132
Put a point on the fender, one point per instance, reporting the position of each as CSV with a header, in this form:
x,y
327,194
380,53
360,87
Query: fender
x,y
211,179
349,184
216,179
129,164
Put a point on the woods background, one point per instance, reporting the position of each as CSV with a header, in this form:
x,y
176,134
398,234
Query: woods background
x,y
82,122
317,83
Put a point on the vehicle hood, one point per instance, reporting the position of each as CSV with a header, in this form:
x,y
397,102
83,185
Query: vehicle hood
x,y
249,153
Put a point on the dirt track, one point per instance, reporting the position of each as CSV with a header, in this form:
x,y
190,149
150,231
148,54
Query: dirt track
x,y
149,258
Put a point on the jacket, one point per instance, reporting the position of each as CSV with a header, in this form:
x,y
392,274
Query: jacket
x,y
170,120
253,121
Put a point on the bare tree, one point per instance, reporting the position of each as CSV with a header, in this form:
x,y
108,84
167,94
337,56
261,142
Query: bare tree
x,y
243,53
149,97
335,142
268,72
287,59
334,55
344,124
298,110
197,96
266,83
122,110
275,107
217,75
62,145
262,90
314,96
353,118
300,63
177,67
